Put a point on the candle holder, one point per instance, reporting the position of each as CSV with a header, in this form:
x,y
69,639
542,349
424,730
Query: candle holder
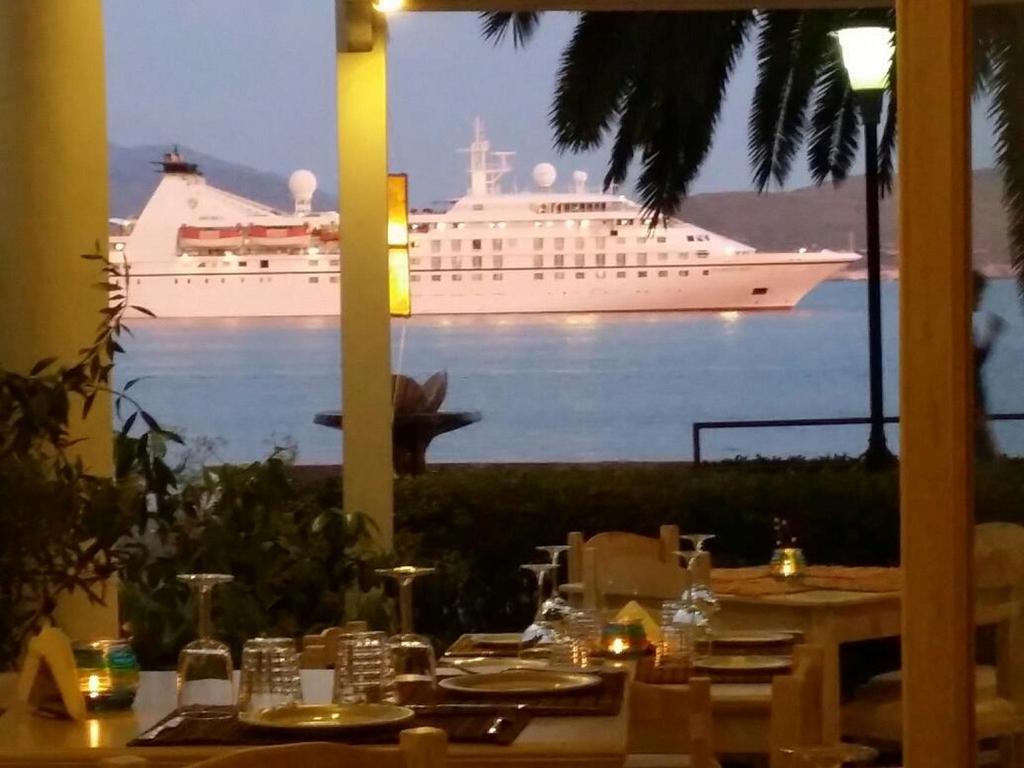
x,y
623,640
788,563
108,674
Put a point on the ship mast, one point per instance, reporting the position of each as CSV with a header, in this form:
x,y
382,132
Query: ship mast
x,y
484,174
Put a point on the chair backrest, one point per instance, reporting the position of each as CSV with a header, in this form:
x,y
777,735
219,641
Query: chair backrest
x,y
417,748
616,580
999,594
320,651
622,544
671,720
797,701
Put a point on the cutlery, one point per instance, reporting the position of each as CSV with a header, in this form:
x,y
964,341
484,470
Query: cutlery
x,y
168,725
497,725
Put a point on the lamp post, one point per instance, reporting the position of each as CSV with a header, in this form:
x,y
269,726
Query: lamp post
x,y
867,56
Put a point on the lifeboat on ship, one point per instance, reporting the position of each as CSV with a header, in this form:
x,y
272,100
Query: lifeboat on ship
x,y
296,236
210,237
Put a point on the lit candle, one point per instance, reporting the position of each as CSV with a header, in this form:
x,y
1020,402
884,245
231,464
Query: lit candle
x,y
618,646
787,562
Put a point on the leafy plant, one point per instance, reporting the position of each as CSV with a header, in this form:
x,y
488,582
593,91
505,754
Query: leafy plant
x,y
64,526
300,563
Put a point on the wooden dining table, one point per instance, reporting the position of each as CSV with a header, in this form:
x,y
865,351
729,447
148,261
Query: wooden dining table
x,y
28,739
833,606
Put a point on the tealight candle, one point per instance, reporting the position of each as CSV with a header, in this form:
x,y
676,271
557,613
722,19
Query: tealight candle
x,y
621,639
108,674
787,563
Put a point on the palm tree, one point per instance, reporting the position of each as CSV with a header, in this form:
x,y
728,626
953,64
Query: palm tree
x,y
654,83
658,79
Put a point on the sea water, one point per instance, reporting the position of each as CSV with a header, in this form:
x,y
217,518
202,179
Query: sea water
x,y
586,387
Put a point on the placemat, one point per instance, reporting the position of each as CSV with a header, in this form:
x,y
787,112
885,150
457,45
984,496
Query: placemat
x,y
467,645
471,727
757,580
601,700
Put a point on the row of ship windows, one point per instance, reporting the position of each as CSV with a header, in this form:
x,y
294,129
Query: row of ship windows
x,y
188,280
558,260
500,244
440,226
455,278
264,263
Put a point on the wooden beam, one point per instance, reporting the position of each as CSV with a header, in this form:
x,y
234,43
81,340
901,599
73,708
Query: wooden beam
x,y
366,319
475,6
936,398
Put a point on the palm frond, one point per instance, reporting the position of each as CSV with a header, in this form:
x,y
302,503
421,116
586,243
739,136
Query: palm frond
x,y
593,76
1006,87
833,140
497,24
887,145
792,46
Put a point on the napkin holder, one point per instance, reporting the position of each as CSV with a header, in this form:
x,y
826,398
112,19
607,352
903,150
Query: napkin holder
x,y
49,679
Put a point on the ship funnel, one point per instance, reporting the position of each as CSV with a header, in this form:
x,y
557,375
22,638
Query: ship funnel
x,y
302,185
579,182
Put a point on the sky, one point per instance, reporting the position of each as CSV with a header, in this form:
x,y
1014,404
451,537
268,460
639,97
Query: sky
x,y
252,82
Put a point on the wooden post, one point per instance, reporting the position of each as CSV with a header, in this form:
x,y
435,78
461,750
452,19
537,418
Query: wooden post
x,y
53,197
936,398
53,209
366,321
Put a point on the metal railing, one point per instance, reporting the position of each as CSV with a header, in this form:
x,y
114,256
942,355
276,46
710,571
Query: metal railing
x,y
700,426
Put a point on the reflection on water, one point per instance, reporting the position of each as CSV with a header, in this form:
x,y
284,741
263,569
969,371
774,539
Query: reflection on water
x,y
559,387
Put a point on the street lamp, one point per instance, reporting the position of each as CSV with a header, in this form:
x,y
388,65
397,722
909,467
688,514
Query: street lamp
x,y
867,56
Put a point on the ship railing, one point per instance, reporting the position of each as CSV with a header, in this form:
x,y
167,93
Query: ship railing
x,y
702,426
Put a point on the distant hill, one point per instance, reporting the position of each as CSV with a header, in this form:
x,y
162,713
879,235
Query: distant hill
x,y
133,177
810,217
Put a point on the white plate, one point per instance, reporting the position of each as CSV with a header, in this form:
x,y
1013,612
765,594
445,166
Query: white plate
x,y
334,717
517,682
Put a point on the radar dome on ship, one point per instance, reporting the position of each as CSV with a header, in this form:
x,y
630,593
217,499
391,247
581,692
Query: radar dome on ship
x,y
302,185
544,175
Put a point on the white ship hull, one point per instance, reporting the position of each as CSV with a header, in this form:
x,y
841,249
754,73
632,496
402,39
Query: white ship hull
x,y
725,287
199,251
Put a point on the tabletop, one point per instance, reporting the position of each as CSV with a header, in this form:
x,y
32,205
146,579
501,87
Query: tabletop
x,y
26,738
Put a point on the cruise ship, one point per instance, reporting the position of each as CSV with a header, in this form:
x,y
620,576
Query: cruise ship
x,y
199,251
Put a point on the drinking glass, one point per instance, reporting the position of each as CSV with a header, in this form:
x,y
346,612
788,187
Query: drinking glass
x,y
270,674
412,656
543,627
204,665
583,629
362,671
834,756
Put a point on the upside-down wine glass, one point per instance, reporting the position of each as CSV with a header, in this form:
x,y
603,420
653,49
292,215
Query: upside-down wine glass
x,y
555,604
412,655
204,665
691,616
542,629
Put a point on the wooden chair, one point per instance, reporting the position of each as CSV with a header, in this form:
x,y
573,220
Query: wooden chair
x,y
320,651
670,726
417,748
615,567
876,712
797,699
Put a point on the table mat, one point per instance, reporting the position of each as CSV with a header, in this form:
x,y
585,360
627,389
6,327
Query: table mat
x,y
604,699
757,581
229,731
467,645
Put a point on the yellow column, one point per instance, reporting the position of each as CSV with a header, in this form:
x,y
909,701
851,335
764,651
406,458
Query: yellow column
x,y
53,207
936,486
366,322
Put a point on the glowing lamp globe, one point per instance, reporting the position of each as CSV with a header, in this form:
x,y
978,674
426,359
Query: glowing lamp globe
x,y
388,6
867,56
